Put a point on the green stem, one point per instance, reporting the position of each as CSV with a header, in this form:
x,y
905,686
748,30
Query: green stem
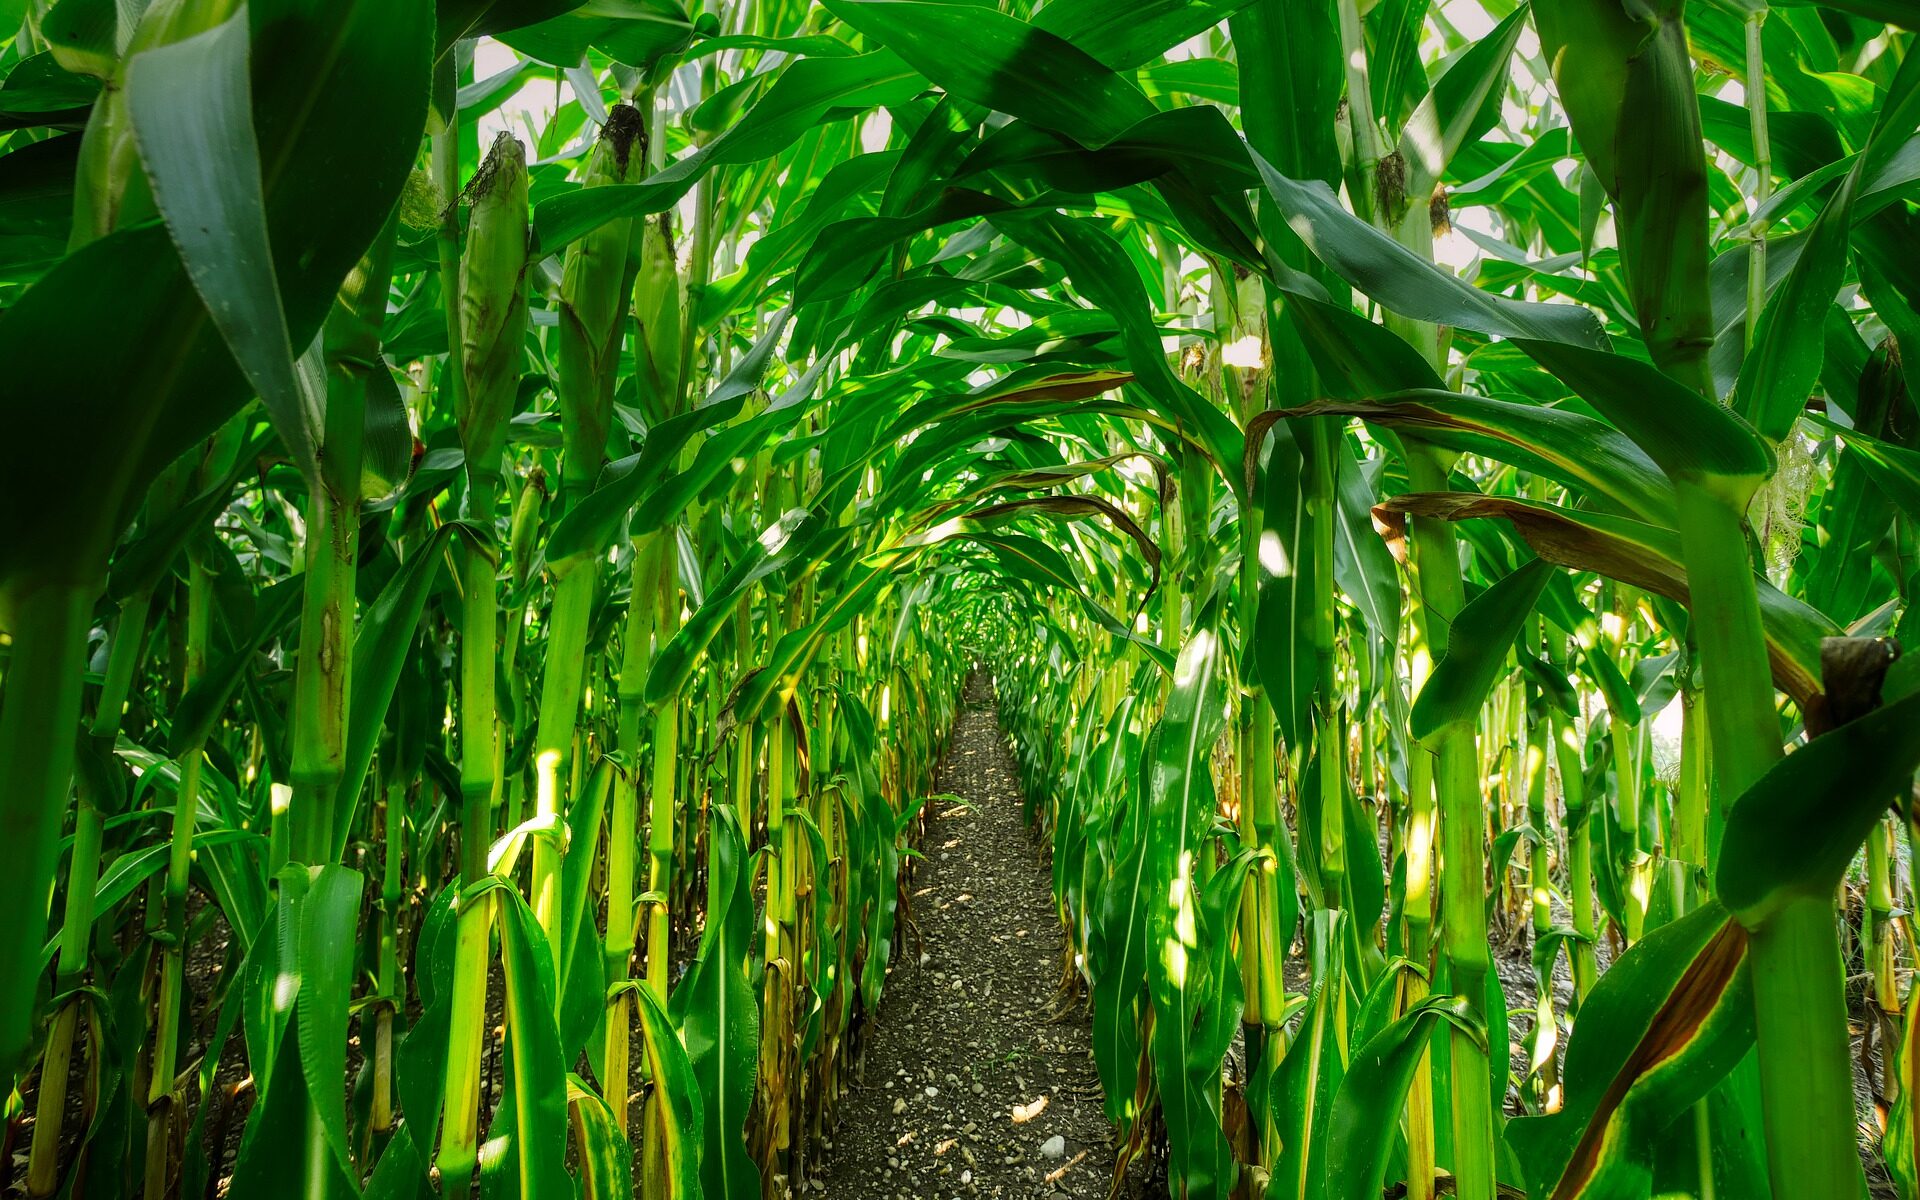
x,y
560,693
1463,856
1880,903
1691,799
623,826
43,1166
666,762
1367,151
321,677
173,930
479,783
445,151
1546,1029
1741,721
1630,803
323,673
76,930
1422,822
1806,1079
1323,441
388,973
1573,803
1756,88
466,1038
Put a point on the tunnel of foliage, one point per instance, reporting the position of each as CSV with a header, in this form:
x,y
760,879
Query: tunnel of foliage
x,y
498,499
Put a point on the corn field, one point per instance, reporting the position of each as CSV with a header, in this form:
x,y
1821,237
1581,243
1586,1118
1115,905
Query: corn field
x,y
500,501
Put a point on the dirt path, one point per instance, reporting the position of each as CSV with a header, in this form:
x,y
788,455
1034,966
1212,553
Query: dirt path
x,y
971,1087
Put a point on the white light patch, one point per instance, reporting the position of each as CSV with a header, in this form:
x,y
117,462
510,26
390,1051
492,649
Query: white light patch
x,y
1666,738
942,531
529,108
1273,555
1185,929
1469,17
876,131
1243,353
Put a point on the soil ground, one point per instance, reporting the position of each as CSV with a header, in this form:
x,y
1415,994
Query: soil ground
x,y
978,1061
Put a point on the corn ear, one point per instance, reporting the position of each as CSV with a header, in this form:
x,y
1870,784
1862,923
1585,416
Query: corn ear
x,y
592,309
493,308
657,303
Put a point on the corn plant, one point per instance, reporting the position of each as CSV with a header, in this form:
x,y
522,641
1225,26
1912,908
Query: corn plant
x,y
502,497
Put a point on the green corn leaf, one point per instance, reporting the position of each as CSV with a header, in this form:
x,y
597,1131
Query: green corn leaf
x,y
525,1155
719,1019
167,379
1689,435
1375,1090
1793,833
474,18
605,1159
275,1140
1362,565
583,971
1127,38
422,1056
191,104
1463,105
81,35
1789,344
1477,651
677,1099
1625,75
296,1032
201,707
1904,13
1180,804
1665,1024
1645,556
1564,445
326,914
386,438
638,33
1000,62
36,206
1308,1079
135,867
1117,969
803,96
1196,1016
1900,1147
1406,283
1282,651
379,652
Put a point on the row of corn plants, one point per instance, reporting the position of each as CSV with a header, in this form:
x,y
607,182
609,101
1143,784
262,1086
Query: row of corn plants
x,y
1497,618
501,497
